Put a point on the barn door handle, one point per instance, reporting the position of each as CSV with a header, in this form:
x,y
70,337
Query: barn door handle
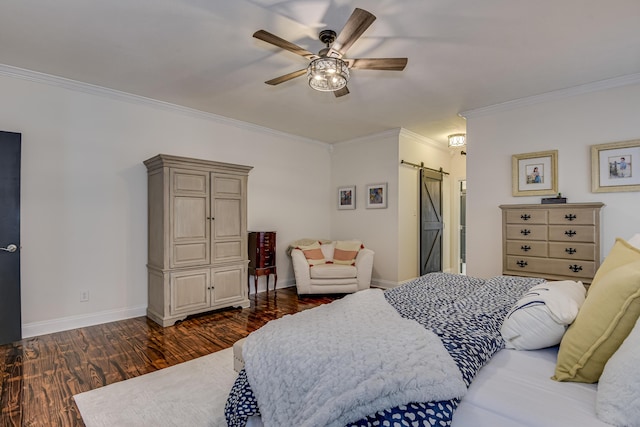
x,y
10,248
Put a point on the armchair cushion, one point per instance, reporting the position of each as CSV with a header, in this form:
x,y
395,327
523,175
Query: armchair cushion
x,y
346,252
313,254
333,271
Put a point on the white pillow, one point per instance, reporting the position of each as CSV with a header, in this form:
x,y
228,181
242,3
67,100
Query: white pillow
x,y
618,397
541,317
635,241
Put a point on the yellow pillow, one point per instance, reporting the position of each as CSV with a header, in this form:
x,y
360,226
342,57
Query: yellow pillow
x,y
606,318
346,252
313,254
622,253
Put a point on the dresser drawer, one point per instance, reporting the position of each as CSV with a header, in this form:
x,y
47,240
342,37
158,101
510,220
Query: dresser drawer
x,y
573,216
572,233
570,268
525,248
526,232
570,250
526,216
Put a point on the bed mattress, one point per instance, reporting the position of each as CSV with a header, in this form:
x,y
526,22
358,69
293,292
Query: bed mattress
x,y
515,389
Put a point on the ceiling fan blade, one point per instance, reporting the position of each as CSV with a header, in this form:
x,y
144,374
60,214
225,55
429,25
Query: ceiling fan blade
x,y
341,92
357,24
286,77
282,43
392,64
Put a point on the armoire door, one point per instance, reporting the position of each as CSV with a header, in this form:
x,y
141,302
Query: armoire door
x,y
228,232
10,313
190,218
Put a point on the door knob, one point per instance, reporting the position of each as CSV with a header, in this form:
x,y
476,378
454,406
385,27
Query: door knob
x,y
10,248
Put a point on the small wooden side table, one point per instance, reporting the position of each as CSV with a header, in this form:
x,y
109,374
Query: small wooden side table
x,y
262,258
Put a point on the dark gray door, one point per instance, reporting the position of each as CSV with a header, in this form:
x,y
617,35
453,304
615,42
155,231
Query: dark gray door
x,y
431,224
10,321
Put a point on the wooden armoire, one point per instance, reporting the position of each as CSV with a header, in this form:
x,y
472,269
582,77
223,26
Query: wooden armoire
x,y
197,254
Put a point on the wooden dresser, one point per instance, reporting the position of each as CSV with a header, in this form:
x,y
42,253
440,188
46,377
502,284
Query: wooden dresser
x,y
556,242
262,257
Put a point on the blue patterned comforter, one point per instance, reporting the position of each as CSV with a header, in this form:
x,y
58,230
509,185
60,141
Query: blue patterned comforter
x,y
465,312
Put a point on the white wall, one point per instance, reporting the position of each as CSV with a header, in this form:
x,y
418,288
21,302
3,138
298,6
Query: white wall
x,y
84,214
393,233
417,149
370,160
569,121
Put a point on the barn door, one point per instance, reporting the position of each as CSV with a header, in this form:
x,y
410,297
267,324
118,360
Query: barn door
x,y
10,322
431,225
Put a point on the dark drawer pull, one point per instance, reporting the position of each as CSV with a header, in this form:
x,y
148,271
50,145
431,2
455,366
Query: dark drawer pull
x,y
525,232
522,263
570,251
525,248
570,217
575,268
525,217
570,233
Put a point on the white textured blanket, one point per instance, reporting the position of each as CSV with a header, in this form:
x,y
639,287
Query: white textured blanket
x,y
337,363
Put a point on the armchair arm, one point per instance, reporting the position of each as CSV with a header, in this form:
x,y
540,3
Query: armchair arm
x,y
364,265
301,271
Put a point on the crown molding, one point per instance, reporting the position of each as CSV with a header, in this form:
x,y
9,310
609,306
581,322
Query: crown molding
x,y
74,85
615,82
391,133
396,133
423,140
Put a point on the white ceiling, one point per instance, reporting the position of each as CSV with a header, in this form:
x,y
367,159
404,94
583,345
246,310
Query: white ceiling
x,y
463,55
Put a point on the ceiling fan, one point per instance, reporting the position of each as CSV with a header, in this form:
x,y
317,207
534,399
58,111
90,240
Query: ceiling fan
x,y
328,71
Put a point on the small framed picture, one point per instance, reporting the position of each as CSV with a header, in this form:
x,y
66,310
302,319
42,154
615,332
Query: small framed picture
x,y
615,167
347,197
534,174
377,196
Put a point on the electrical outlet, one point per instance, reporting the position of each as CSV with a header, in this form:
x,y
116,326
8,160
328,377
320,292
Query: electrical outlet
x,y
84,296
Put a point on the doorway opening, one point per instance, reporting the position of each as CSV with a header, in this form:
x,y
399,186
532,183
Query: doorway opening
x,y
463,228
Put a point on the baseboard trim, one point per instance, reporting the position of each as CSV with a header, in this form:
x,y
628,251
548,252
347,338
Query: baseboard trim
x,y
384,284
262,285
72,322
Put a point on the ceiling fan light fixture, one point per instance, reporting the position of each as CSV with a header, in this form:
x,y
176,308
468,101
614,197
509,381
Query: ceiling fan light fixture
x,y
328,74
457,139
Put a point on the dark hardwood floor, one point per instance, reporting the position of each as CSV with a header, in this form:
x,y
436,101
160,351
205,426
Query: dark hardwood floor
x,y
40,375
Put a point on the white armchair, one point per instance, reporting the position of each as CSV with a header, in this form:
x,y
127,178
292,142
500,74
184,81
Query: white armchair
x,y
329,277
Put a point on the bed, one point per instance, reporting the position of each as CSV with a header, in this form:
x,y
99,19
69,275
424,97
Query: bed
x,y
502,387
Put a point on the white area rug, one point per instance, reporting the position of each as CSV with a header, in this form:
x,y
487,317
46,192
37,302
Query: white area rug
x,y
189,394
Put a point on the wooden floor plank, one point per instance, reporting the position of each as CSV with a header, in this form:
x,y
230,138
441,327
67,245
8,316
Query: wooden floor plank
x,y
40,375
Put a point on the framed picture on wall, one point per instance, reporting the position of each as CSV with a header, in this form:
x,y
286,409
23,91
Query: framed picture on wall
x,y
615,167
376,196
347,197
534,174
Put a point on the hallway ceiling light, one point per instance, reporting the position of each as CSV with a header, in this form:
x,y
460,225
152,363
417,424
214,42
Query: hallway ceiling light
x,y
457,140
